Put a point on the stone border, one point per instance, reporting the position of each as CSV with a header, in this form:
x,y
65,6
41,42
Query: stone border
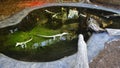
x,y
15,19
66,62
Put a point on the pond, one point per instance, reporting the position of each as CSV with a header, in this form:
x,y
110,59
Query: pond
x,y
50,33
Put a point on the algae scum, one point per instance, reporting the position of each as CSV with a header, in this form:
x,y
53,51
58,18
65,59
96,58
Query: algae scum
x,y
50,21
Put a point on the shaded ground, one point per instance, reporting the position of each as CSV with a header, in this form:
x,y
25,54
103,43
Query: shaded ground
x,y
109,57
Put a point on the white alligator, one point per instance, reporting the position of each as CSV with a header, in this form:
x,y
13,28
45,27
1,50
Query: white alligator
x,y
54,36
23,44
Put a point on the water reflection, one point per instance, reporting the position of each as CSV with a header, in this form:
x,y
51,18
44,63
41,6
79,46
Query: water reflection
x,y
50,41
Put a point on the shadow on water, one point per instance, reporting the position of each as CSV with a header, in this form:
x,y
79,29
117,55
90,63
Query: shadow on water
x,y
50,22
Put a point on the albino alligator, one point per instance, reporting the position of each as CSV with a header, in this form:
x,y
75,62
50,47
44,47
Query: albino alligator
x,y
54,36
23,44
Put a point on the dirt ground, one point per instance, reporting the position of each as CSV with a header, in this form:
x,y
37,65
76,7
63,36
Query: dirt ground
x,y
109,57
10,7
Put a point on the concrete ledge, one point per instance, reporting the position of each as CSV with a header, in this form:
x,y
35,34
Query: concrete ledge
x,y
67,62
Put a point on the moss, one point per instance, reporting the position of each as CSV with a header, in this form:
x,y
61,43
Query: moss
x,y
21,36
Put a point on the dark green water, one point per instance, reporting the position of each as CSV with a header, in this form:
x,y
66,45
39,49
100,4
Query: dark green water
x,y
39,22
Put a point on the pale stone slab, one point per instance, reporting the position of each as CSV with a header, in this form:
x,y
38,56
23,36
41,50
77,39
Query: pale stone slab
x,y
113,31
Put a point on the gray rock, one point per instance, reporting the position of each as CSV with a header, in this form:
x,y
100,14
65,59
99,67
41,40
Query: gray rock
x,y
113,31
